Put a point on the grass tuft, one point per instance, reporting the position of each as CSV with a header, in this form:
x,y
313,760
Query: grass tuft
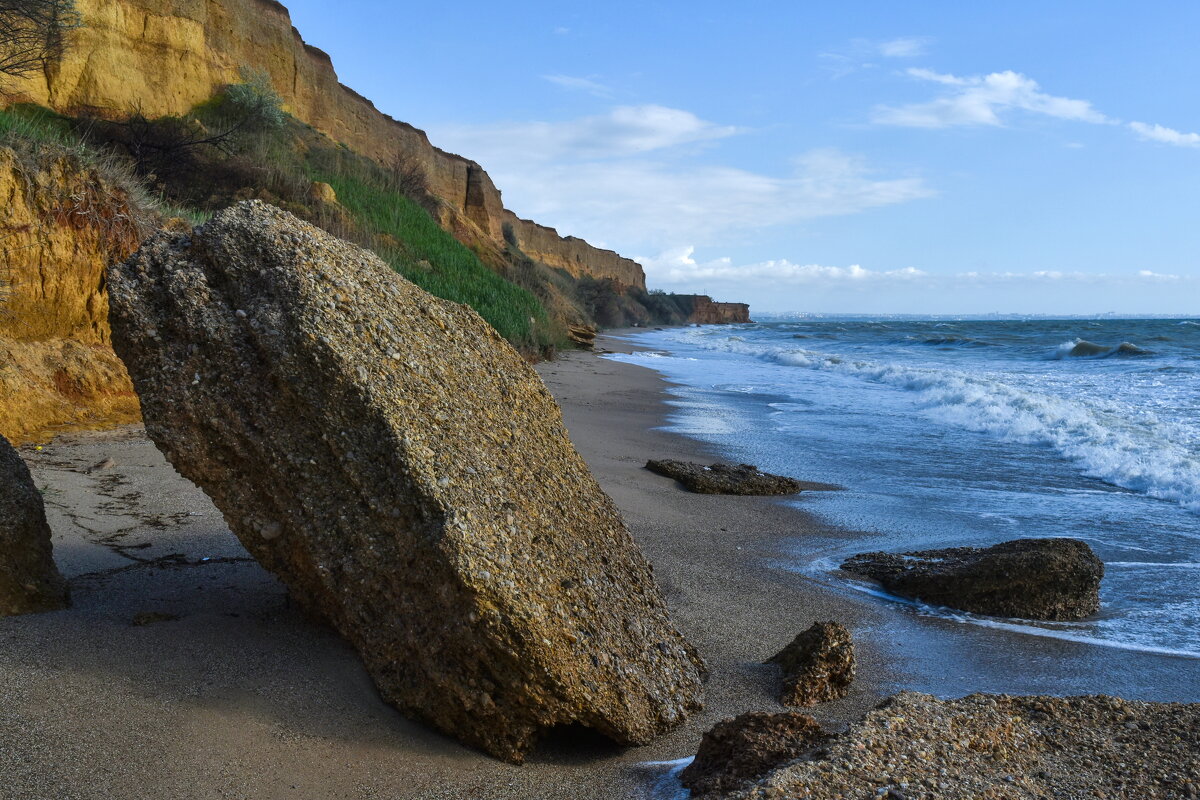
x,y
409,239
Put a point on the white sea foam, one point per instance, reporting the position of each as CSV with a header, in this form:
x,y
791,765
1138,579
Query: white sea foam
x,y
1080,632
1123,446
665,778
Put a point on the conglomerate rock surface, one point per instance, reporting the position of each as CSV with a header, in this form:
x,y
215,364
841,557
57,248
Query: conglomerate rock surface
x,y
406,474
997,747
29,581
818,665
739,750
742,479
1053,579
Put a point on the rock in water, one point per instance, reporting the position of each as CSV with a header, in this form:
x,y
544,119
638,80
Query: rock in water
x,y
743,479
1053,579
818,666
407,475
739,750
29,581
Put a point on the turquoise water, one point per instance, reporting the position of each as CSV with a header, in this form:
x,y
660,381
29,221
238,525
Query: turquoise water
x,y
971,432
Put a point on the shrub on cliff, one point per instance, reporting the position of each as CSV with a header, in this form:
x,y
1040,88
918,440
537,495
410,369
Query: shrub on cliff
x,y
33,33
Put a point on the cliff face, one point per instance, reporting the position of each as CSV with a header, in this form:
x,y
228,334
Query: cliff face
x,y
706,311
60,225
167,56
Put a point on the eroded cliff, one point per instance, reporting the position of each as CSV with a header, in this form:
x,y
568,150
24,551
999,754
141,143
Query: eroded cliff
x,y
61,224
167,56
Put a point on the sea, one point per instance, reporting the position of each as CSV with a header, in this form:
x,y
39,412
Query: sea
x,y
951,432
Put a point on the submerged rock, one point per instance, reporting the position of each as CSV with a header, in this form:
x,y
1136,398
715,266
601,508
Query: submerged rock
x,y
818,666
407,476
1021,748
744,479
739,750
1052,579
29,581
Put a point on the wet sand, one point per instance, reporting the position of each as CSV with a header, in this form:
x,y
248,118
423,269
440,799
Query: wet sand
x,y
230,692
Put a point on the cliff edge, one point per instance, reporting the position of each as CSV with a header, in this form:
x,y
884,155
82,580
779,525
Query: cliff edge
x,y
164,57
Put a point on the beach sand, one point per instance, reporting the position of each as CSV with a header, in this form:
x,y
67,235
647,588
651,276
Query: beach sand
x,y
228,691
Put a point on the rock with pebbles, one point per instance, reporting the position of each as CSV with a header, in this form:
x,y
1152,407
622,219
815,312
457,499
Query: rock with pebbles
x,y
999,747
408,477
818,666
743,479
739,750
29,581
1052,579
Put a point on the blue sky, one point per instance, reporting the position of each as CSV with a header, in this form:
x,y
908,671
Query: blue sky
x,y
875,157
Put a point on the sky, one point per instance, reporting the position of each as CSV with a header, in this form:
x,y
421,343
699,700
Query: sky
x,y
852,157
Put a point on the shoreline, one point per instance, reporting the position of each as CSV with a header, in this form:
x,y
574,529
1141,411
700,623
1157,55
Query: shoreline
x,y
943,652
234,691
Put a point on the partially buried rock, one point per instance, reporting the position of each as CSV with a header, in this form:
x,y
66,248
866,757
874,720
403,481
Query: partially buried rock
x,y
739,750
407,475
29,581
744,479
1051,579
818,666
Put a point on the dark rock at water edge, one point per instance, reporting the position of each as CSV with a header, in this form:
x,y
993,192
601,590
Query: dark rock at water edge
x,y
1049,579
407,475
29,580
741,479
818,666
739,750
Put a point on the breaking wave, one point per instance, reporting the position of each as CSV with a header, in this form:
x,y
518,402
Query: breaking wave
x,y
1125,447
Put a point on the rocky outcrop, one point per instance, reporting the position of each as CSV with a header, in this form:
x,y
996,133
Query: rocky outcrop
x,y
1020,748
29,581
61,224
408,477
166,57
583,336
740,750
703,310
743,479
818,666
1052,579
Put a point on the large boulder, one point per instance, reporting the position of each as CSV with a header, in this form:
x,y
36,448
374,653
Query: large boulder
x,y
407,475
743,479
747,747
818,665
1052,579
29,581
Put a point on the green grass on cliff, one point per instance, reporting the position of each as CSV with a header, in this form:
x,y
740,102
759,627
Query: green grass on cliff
x,y
279,163
409,239
33,124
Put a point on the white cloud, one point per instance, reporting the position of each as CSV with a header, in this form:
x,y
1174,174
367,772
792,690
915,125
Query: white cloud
x,y
1159,133
630,178
581,84
904,47
980,100
677,267
859,54
623,131
562,31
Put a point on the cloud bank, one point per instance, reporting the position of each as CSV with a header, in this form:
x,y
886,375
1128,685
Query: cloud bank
x,y
630,178
678,267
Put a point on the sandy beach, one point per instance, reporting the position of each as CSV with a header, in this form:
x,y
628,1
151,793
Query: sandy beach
x,y
182,671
